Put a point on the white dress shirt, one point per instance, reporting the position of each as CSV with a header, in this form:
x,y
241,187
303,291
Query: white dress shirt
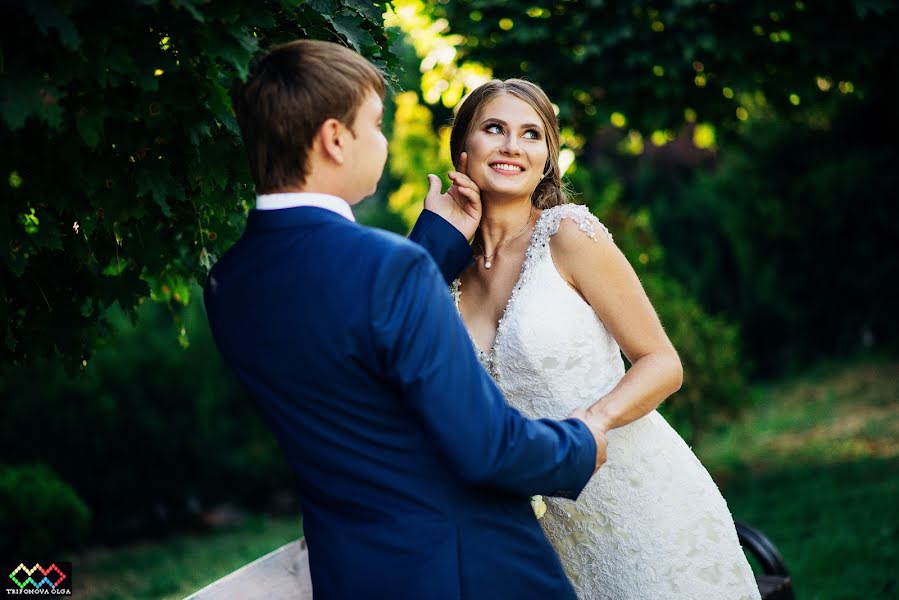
x,y
297,199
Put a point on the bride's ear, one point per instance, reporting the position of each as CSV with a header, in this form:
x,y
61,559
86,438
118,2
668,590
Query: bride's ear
x,y
330,140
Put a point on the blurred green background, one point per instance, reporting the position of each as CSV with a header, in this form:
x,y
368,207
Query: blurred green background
x,y
742,154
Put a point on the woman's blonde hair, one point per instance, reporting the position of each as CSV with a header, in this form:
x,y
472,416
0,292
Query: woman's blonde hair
x,y
550,191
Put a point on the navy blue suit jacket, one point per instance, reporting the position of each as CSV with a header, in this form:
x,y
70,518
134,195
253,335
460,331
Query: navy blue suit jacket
x,y
414,473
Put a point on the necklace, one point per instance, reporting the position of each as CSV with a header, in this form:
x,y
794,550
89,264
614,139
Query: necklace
x,y
488,259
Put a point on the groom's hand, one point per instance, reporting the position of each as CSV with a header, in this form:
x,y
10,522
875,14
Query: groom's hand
x,y
461,204
599,434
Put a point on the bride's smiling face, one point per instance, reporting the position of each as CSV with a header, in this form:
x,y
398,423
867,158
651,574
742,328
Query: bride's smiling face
x,y
507,150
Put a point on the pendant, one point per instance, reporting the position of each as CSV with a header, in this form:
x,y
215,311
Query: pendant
x,y
487,264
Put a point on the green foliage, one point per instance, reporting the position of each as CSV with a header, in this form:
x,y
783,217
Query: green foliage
x,y
416,150
651,62
789,234
125,168
149,432
709,345
39,512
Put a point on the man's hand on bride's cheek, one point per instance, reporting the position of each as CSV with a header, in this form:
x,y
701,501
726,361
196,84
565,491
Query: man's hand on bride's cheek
x,y
461,204
599,434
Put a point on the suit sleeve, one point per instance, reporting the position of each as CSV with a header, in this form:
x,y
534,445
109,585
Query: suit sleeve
x,y
446,244
427,353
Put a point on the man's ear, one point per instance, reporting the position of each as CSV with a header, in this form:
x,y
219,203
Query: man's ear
x,y
330,140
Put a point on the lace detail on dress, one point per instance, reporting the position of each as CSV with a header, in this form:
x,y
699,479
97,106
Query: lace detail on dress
x,y
550,219
546,226
651,524
485,358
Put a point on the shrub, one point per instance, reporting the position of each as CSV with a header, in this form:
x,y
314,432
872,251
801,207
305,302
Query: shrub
x,y
39,513
150,432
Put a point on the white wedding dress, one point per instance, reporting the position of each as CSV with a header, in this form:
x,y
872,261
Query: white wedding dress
x,y
651,524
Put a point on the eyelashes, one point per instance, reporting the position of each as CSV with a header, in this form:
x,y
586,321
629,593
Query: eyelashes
x,y
535,134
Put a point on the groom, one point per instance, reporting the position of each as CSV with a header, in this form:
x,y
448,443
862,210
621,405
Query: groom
x,y
414,474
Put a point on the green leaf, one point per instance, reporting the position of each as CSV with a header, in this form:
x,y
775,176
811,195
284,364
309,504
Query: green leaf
x,y
198,132
369,10
220,157
26,95
158,181
124,289
48,16
115,64
246,40
47,234
212,166
218,100
90,127
190,6
231,124
324,7
236,50
116,267
877,7
350,27
16,262
146,80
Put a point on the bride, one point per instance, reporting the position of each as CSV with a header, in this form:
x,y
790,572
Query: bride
x,y
550,304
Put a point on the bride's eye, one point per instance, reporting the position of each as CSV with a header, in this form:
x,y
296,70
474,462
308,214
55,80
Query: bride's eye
x,y
532,134
494,128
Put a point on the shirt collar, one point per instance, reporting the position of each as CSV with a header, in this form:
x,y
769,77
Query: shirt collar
x,y
297,199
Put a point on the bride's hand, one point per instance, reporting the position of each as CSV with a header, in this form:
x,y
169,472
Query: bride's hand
x,y
599,434
461,204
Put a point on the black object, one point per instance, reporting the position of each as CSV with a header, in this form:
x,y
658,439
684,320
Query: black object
x,y
775,583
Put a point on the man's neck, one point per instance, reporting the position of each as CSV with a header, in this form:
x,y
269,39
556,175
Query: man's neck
x,y
325,181
307,189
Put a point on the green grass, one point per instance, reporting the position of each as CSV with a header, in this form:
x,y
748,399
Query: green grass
x,y
180,565
815,465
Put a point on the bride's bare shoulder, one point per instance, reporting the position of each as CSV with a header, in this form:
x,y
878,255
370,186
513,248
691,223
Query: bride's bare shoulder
x,y
580,243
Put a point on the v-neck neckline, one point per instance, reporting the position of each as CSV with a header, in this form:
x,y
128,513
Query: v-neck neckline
x,y
457,292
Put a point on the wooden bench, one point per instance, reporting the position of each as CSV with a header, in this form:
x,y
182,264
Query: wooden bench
x,y
284,573
278,575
